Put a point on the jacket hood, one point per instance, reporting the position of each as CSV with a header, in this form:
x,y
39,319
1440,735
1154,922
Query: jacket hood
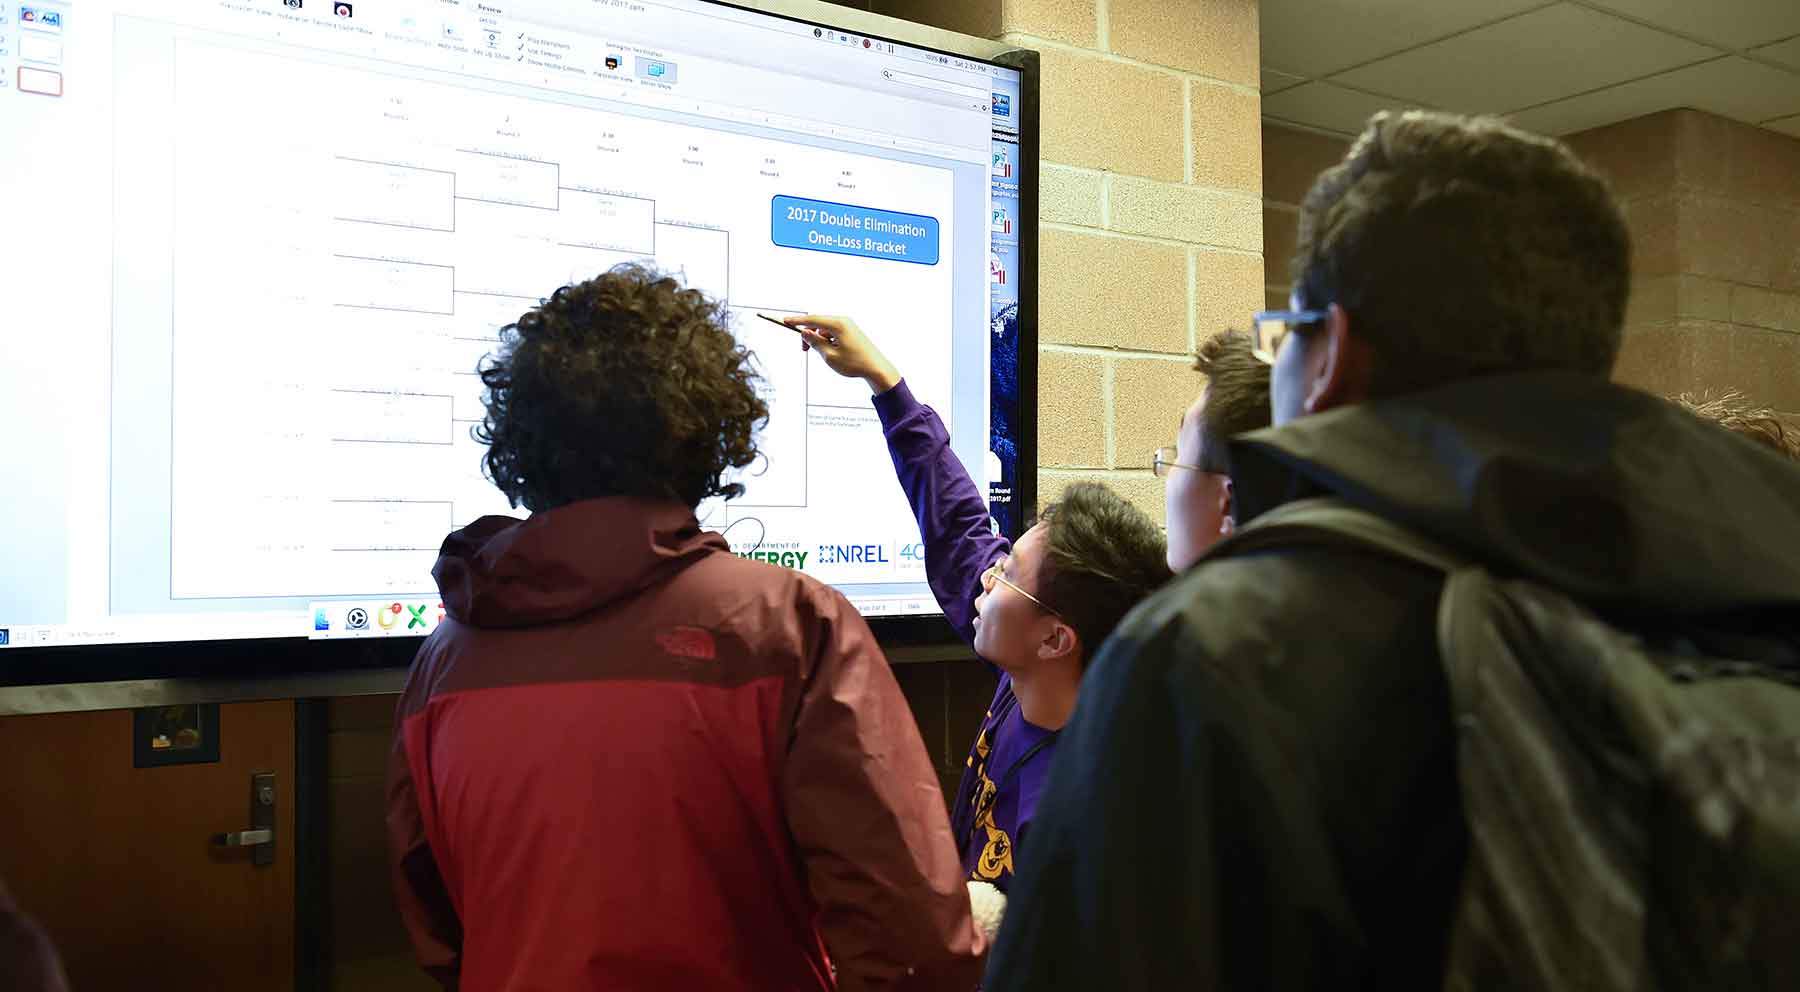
x,y
1614,496
562,563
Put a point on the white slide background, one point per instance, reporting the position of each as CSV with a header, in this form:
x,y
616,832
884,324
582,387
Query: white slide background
x,y
344,255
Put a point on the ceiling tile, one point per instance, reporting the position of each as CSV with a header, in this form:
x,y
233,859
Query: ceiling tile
x,y
1316,37
1787,53
1530,59
1787,125
1329,107
1730,87
1734,23
1274,81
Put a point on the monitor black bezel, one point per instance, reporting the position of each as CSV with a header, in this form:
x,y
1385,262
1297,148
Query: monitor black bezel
x,y
254,659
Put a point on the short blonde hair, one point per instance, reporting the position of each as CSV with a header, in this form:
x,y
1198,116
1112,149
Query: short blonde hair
x,y
1733,411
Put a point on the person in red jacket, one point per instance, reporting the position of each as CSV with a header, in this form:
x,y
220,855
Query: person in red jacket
x,y
628,759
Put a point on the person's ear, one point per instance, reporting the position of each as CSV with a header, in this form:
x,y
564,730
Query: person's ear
x,y
1060,642
1340,373
1227,523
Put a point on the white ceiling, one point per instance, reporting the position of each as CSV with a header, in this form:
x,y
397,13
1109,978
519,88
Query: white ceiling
x,y
1554,66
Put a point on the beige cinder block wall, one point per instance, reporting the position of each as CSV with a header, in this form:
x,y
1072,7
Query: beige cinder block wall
x,y
1714,209
1292,159
1150,220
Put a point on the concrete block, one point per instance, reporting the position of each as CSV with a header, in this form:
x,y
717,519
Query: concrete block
x,y
1071,21
1186,213
1071,410
1280,230
1226,131
1292,159
1149,397
1103,114
1228,288
1112,292
1214,38
1754,307
1068,196
977,17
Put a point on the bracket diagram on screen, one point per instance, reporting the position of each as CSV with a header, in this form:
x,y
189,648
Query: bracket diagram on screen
x,y
386,230
526,199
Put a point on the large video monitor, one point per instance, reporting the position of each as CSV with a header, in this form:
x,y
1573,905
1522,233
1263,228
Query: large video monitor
x,y
255,249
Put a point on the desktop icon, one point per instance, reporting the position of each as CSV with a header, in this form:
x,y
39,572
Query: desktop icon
x,y
342,10
817,33
41,19
320,620
388,616
418,616
865,42
5,637
1002,223
356,619
996,270
1002,105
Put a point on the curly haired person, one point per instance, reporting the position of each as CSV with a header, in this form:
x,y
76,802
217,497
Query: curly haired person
x,y
628,758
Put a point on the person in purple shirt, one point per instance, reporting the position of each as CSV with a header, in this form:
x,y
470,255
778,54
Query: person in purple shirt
x,y
1035,612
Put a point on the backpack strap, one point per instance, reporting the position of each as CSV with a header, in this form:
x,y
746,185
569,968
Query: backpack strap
x,y
1332,522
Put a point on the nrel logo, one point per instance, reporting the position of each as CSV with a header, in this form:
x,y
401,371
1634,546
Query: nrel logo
x,y
852,554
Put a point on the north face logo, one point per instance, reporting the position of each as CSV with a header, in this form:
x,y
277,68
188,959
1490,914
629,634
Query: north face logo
x,y
688,642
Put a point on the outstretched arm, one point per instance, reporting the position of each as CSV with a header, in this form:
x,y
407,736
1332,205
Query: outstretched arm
x,y
959,536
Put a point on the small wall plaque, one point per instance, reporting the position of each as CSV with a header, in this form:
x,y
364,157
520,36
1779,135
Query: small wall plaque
x,y
187,734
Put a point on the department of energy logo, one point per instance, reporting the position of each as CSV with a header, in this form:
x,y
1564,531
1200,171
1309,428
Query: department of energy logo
x,y
787,554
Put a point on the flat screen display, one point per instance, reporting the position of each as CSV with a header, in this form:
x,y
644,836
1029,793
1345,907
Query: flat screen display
x,y
256,249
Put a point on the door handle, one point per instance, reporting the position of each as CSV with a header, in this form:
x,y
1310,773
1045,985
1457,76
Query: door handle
x,y
260,838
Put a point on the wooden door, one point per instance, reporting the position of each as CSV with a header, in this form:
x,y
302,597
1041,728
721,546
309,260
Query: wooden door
x,y
118,863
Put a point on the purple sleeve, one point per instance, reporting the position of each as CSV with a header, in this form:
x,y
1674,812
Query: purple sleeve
x,y
960,542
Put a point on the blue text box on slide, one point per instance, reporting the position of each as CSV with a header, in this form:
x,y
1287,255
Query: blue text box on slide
x,y
847,229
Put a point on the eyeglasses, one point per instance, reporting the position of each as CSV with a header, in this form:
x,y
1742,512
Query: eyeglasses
x,y
992,575
1269,326
1163,459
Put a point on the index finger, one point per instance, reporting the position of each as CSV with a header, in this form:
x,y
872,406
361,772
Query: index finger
x,y
817,322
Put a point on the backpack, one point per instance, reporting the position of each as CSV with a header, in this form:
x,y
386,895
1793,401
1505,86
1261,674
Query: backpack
x,y
1633,815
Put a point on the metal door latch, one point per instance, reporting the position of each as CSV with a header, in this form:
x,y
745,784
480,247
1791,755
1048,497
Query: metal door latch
x,y
260,838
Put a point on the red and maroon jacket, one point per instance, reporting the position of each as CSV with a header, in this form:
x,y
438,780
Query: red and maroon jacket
x,y
628,759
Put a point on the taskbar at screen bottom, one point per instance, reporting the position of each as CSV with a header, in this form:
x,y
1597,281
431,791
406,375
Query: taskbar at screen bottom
x,y
324,620
332,620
